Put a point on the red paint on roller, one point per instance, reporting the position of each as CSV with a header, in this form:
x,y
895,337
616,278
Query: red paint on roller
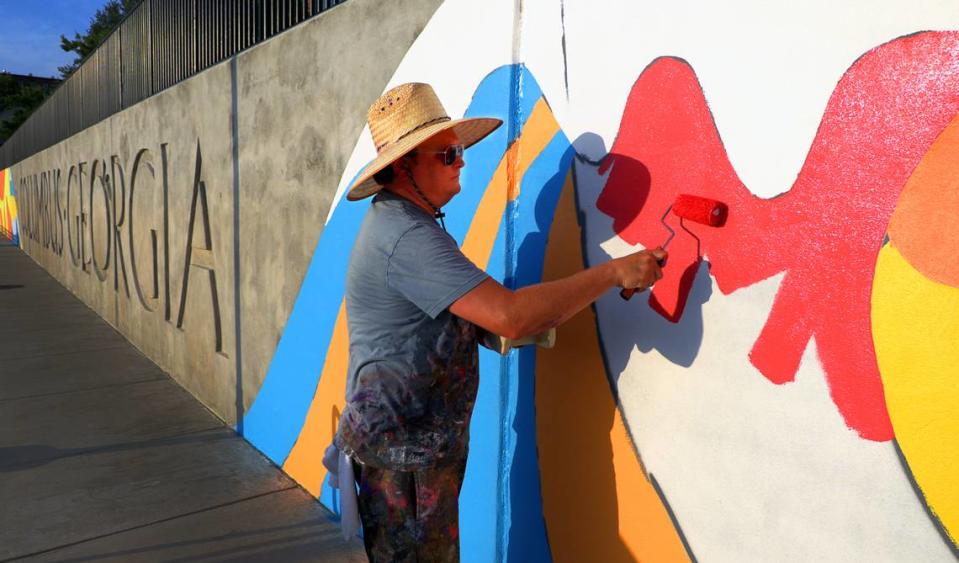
x,y
824,234
693,208
701,210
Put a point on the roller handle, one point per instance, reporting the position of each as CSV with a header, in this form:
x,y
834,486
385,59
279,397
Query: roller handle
x,y
627,293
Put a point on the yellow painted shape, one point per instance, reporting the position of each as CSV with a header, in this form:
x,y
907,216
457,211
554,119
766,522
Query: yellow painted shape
x,y
304,464
8,204
539,130
915,328
11,200
4,196
924,223
597,501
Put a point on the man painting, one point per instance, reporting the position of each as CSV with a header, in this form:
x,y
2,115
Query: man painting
x,y
416,308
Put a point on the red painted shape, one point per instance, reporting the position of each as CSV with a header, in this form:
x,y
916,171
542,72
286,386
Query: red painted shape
x,y
824,233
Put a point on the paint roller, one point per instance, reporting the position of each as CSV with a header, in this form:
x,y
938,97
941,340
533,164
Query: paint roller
x,y
693,208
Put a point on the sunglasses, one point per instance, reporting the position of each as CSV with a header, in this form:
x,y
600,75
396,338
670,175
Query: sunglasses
x,y
450,154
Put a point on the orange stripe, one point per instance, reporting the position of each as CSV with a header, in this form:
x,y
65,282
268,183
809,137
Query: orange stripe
x,y
538,131
304,464
597,502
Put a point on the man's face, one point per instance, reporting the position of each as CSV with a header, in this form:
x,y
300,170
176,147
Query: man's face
x,y
437,180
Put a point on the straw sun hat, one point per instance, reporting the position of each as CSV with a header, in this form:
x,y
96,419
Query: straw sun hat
x,y
403,118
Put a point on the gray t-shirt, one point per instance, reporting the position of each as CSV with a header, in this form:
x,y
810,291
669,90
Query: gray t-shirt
x,y
412,375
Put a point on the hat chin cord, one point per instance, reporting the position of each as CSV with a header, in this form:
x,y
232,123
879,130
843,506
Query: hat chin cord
x,y
437,213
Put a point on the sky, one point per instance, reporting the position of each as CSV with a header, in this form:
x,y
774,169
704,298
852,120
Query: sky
x,y
30,33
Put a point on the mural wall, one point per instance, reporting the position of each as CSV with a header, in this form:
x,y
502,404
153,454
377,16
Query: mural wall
x,y
787,391
9,224
742,410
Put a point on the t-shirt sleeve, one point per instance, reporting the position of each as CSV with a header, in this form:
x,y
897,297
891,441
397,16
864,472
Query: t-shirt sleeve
x,y
429,269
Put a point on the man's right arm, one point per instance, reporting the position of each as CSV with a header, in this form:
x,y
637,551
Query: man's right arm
x,y
537,308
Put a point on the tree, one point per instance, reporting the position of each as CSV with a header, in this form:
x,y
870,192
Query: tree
x,y
20,99
103,22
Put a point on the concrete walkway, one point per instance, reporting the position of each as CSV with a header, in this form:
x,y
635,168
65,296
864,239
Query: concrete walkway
x,y
104,458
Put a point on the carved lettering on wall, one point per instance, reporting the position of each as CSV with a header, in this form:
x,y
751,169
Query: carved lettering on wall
x,y
99,177
143,162
95,209
200,256
40,217
119,216
166,233
83,224
73,239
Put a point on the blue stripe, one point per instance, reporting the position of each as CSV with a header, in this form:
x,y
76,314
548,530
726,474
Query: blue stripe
x,y
274,420
533,217
480,501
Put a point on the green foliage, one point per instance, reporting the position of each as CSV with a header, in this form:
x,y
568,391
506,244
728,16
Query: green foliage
x,y
22,99
104,21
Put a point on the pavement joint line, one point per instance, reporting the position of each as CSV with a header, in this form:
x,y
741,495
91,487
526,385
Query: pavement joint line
x,y
96,450
218,426
39,290
29,280
158,376
97,324
45,305
20,315
148,524
48,307
49,354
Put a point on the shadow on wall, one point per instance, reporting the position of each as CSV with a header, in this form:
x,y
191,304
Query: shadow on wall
x,y
589,450
678,341
543,183
598,501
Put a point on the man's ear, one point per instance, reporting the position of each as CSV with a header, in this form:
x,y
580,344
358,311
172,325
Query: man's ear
x,y
404,163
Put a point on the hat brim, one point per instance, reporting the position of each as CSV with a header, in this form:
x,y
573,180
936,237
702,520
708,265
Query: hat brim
x,y
470,130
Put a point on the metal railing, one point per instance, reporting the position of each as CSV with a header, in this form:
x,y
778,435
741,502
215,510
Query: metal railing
x,y
158,44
